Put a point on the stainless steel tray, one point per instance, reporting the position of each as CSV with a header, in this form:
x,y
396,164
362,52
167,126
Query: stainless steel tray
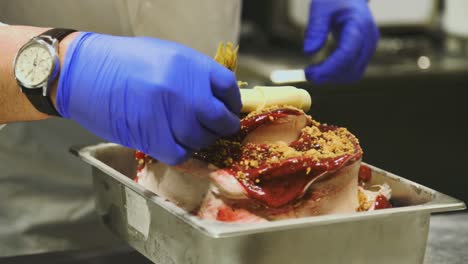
x,y
167,234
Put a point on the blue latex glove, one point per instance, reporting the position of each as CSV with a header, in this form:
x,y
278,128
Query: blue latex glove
x,y
355,32
156,96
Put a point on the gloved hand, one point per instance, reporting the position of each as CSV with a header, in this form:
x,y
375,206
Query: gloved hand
x,y
156,96
355,32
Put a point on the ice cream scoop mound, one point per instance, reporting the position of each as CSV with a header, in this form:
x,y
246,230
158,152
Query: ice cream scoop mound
x,y
281,164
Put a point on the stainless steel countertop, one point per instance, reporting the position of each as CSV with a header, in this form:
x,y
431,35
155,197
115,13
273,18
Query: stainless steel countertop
x,y
413,57
448,244
448,239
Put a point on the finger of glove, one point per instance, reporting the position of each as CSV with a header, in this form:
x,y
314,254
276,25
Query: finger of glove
x,y
361,64
356,70
191,134
155,137
224,87
216,117
372,42
369,47
336,68
161,144
149,127
176,155
317,30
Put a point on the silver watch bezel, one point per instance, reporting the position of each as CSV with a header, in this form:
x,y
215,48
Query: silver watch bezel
x,y
51,45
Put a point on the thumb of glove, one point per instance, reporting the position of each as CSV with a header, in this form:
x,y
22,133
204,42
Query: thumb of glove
x,y
317,31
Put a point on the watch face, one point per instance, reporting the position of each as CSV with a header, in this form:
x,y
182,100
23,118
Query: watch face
x,y
33,65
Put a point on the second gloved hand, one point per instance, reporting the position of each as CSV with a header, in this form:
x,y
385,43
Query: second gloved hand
x,y
355,32
156,96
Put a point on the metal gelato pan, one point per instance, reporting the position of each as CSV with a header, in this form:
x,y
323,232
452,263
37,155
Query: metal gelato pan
x,y
166,234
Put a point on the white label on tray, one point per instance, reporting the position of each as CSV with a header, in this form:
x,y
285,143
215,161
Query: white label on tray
x,y
138,215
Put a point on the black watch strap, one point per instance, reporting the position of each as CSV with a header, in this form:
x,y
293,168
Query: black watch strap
x,y
36,97
58,33
40,102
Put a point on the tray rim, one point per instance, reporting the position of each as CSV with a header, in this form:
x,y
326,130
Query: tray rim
x,y
440,203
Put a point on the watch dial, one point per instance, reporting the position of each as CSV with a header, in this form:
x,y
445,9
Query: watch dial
x,y
33,65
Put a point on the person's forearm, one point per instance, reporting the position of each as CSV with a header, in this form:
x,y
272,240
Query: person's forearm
x,y
14,106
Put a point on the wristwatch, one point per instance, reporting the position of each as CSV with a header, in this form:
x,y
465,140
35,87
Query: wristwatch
x,y
37,65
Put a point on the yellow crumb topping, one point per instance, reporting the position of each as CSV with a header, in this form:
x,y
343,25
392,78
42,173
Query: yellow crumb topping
x,y
316,141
